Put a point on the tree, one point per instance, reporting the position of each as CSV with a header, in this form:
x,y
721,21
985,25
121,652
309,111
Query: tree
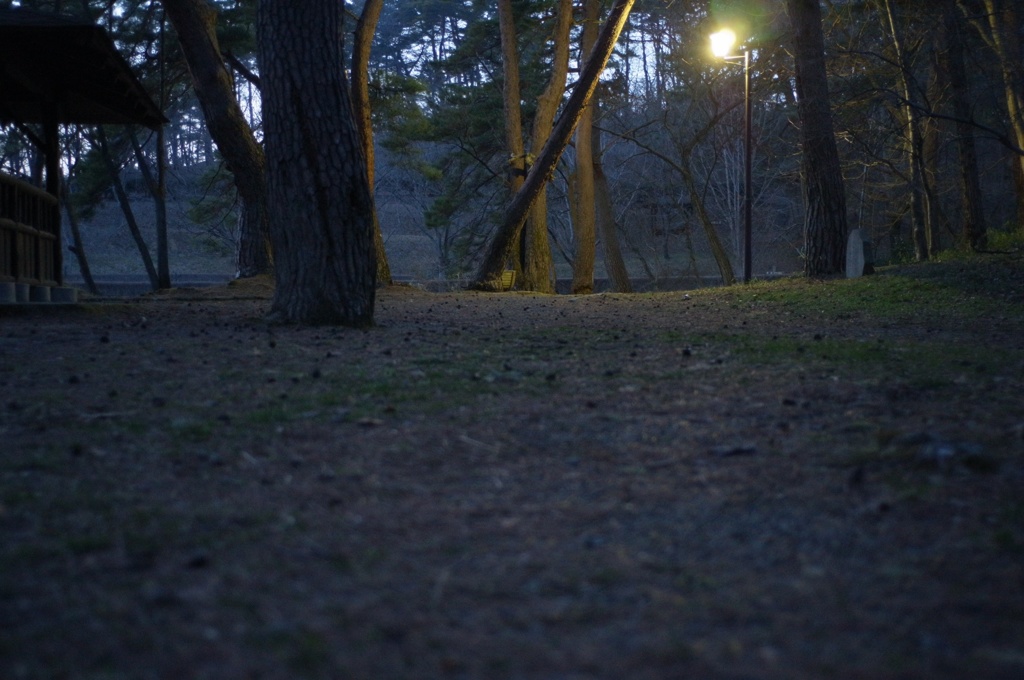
x,y
156,184
114,169
900,61
952,58
999,26
922,211
362,42
78,246
318,195
512,97
685,152
195,22
488,275
156,178
605,217
582,195
824,198
537,268
534,264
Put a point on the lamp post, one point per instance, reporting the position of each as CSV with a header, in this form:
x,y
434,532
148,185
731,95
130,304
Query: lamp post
x,y
722,43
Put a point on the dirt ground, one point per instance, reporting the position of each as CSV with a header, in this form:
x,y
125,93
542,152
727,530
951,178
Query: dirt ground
x,y
789,480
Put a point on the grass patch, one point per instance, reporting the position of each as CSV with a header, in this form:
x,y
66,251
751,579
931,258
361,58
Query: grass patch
x,y
925,365
915,294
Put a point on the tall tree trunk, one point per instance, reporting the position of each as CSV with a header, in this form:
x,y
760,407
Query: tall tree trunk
x,y
163,264
488,275
318,195
914,145
196,24
973,230
931,144
825,223
1005,41
697,201
157,188
614,265
511,94
538,268
76,237
54,179
584,228
363,41
163,256
126,207
518,163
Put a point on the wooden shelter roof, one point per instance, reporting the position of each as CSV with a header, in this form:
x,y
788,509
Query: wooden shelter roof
x,y
64,71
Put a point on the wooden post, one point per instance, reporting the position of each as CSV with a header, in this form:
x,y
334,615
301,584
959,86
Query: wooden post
x,y
51,137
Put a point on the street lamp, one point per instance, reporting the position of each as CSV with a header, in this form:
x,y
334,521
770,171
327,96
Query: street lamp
x,y
722,43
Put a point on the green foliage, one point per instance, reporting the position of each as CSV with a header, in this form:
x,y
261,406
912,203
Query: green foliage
x,y
219,199
92,182
448,103
236,27
441,210
396,102
1008,240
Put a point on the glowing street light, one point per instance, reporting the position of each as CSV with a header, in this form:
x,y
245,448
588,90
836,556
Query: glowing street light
x,y
722,43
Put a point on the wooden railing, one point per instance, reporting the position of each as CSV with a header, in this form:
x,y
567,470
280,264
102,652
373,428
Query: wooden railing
x,y
29,233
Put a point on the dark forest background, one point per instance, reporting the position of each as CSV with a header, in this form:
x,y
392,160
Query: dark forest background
x,y
925,98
